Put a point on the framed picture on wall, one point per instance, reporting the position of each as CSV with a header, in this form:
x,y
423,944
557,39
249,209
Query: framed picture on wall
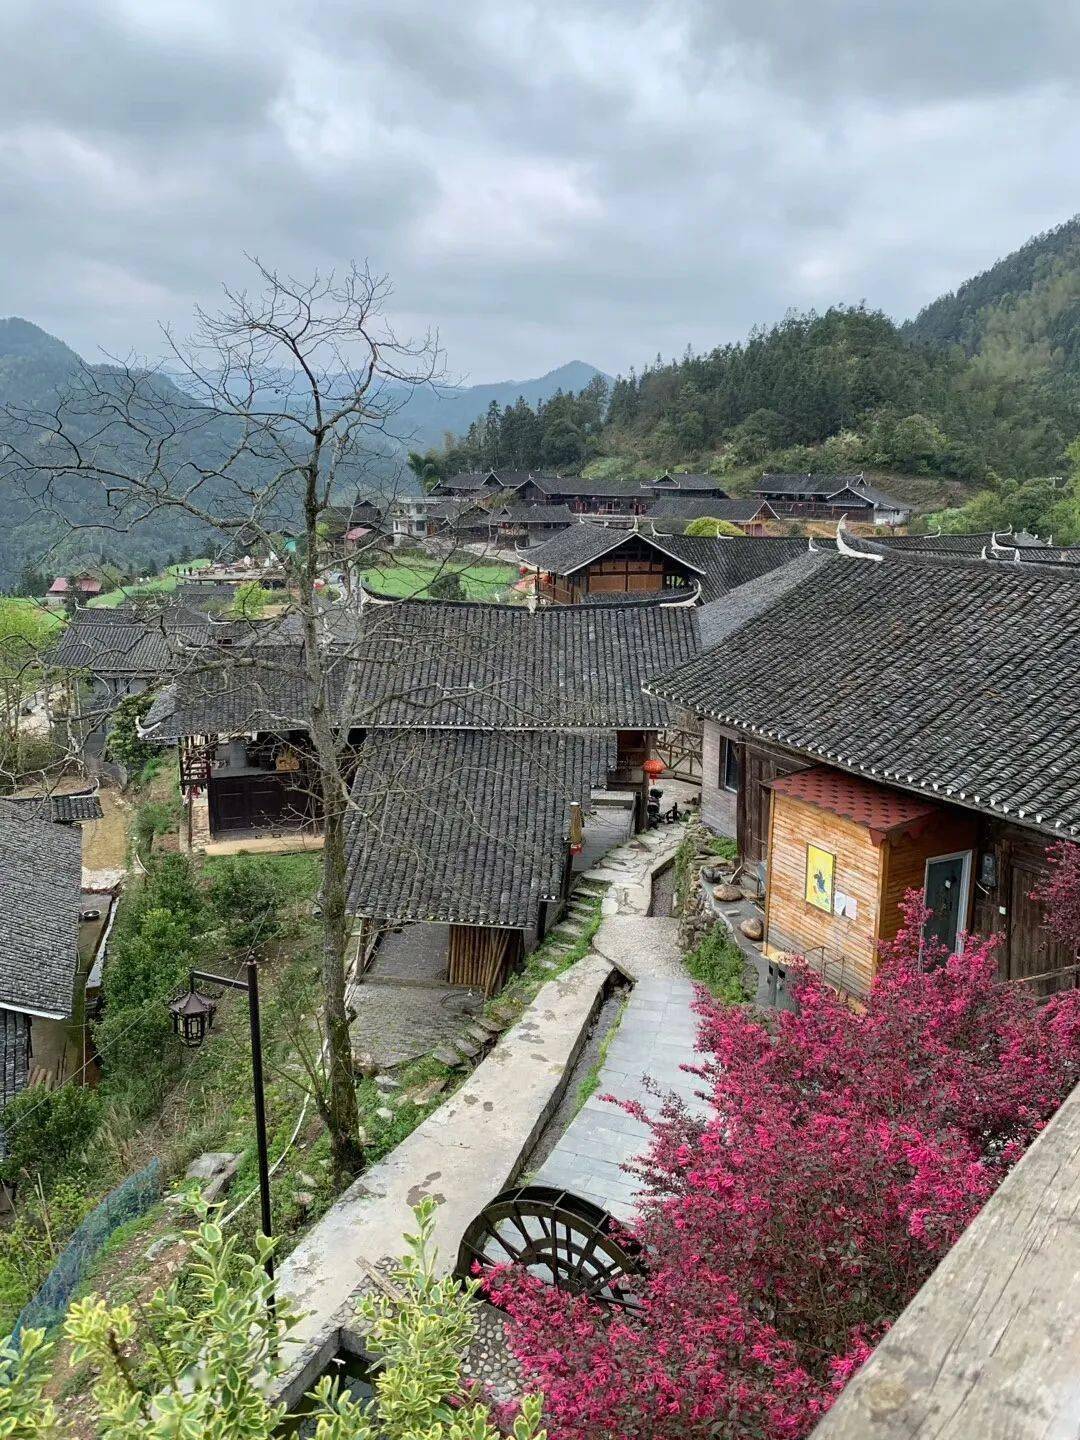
x,y
820,878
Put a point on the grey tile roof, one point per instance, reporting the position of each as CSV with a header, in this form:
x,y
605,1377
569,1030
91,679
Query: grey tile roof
x,y
722,617
695,507
576,485
466,827
958,679
41,865
59,809
435,663
671,480
534,515
575,547
475,480
123,642
823,487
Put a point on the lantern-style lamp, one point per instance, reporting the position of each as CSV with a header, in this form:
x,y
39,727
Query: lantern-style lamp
x,y
577,829
654,768
192,1016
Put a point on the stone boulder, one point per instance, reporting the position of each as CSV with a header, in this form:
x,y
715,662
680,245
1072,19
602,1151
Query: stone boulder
x,y
752,928
727,892
215,1169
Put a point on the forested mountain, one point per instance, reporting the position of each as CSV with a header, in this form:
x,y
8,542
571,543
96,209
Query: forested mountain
x,y
1020,317
839,391
67,524
984,387
70,521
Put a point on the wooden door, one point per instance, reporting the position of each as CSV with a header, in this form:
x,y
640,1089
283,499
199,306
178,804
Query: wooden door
x,y
1034,956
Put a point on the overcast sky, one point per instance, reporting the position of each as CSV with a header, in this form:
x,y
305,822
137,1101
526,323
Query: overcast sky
x,y
578,179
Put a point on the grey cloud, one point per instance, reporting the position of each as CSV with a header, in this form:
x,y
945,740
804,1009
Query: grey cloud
x,y
598,180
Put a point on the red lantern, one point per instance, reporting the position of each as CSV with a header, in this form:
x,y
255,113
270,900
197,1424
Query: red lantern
x,y
654,768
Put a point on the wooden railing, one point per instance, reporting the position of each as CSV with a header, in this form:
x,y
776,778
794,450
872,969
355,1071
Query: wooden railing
x,y
989,1349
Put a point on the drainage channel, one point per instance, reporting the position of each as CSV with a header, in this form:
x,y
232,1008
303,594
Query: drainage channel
x,y
607,1017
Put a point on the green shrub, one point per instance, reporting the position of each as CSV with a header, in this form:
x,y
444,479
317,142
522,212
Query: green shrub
x,y
30,1245
153,818
446,586
123,743
718,964
246,893
155,942
46,1130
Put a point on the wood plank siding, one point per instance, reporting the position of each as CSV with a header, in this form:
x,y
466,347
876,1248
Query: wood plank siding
x,y
482,956
847,946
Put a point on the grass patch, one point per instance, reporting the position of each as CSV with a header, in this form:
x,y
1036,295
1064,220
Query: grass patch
x,y
591,1083
384,1134
410,578
718,964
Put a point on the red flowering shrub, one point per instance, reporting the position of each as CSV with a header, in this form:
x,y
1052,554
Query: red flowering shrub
x,y
841,1156
1060,894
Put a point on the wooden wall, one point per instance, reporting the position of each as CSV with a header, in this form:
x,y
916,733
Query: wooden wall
x,y
482,956
719,807
905,863
1028,953
759,763
792,923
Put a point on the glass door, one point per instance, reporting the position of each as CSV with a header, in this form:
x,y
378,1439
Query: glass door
x,y
946,892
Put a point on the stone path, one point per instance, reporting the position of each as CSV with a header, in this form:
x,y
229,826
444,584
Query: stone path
x,y
654,1039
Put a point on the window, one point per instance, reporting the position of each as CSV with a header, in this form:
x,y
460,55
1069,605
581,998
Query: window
x,y
729,765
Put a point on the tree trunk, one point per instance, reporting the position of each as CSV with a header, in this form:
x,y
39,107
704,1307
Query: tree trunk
x,y
338,1106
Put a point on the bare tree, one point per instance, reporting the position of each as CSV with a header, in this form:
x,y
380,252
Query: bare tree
x,y
279,403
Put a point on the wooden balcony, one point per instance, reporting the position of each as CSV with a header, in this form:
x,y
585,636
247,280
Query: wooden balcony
x,y
989,1349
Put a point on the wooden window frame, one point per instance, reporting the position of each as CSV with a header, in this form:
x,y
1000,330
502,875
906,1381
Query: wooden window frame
x,y
726,756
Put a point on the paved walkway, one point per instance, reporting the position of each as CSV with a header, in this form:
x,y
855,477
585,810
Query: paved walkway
x,y
654,1039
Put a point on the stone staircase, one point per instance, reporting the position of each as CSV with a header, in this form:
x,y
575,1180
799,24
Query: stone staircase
x,y
480,1032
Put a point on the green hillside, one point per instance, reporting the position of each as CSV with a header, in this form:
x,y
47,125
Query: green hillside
x,y
977,397
1022,316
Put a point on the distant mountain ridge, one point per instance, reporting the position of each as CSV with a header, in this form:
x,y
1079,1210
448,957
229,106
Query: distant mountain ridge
x,y
428,415
35,369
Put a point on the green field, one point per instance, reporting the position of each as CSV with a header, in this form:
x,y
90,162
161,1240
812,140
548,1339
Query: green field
x,y
167,580
480,580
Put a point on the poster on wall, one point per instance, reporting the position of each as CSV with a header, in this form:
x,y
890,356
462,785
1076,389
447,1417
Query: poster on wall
x,y
820,876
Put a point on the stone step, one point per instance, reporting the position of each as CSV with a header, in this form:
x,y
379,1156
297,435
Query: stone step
x,y
566,935
587,889
480,1033
466,1048
493,1026
447,1056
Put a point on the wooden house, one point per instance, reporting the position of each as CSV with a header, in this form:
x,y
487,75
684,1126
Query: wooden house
x,y
586,561
241,718
924,677
471,830
831,497
842,852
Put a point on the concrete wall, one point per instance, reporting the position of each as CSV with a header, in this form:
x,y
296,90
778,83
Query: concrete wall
x,y
48,1044
718,806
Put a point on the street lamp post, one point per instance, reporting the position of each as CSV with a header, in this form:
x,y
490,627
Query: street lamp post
x,y
193,1015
